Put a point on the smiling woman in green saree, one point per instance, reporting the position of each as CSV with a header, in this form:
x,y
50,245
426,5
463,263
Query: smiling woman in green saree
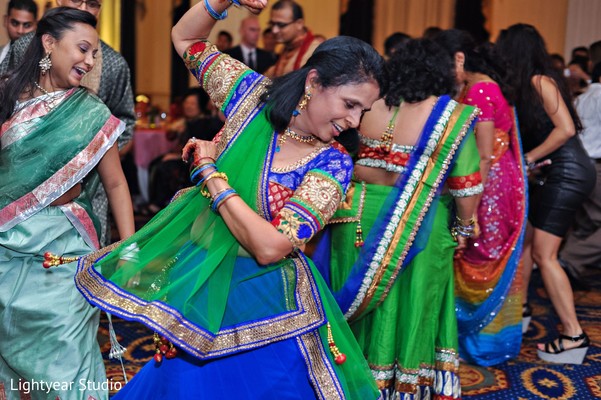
x,y
56,140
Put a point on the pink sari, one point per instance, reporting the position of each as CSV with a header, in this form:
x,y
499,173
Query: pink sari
x,y
488,275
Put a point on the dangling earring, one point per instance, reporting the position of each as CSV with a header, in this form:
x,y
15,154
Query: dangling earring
x,y
45,63
302,105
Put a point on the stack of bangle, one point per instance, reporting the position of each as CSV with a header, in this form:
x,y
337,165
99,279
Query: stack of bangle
x,y
221,197
214,14
195,174
203,182
463,227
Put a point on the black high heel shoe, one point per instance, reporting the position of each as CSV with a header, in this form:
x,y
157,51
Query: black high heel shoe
x,y
526,317
559,355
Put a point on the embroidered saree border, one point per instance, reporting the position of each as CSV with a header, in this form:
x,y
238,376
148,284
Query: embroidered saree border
x,y
198,341
320,369
63,179
413,202
38,108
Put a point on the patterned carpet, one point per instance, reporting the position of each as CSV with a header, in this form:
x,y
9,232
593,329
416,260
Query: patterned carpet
x,y
525,378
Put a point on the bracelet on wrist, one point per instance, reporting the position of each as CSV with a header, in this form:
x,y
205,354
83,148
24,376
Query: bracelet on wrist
x,y
196,172
465,222
220,197
214,14
203,188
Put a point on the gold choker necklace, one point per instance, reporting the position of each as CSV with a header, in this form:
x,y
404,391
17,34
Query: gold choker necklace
x,y
295,136
299,138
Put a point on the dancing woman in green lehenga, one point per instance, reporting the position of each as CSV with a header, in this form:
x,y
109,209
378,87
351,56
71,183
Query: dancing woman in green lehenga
x,y
57,139
390,246
220,272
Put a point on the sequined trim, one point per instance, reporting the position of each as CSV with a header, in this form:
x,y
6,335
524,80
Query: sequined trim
x,y
296,165
382,164
306,316
441,379
348,205
321,371
471,191
373,143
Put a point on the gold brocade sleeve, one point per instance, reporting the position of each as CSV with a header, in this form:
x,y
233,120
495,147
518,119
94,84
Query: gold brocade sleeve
x,y
309,209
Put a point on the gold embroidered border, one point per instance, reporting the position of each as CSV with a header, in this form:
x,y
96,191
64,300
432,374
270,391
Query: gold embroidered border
x,y
320,370
193,339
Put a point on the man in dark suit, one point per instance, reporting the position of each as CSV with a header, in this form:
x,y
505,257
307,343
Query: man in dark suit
x,y
247,51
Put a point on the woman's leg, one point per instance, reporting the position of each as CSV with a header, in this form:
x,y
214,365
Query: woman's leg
x,y
527,262
545,247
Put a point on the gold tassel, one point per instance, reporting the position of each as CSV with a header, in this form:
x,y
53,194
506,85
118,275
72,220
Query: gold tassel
x,y
339,357
359,235
52,260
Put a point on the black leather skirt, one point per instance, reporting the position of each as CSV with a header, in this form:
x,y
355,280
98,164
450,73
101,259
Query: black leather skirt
x,y
558,190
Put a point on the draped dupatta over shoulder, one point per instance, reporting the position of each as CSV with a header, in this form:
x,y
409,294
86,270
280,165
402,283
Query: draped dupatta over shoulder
x,y
46,150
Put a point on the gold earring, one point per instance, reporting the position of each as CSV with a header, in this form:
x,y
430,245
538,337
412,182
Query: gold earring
x,y
302,105
45,63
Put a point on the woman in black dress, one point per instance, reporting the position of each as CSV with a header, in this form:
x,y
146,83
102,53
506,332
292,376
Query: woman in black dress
x,y
549,125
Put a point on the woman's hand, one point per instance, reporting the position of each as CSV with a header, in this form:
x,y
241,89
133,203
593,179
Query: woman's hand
x,y
254,6
195,150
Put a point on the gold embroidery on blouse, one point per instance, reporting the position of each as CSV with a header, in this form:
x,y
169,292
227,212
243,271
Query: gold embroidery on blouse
x,y
303,161
321,191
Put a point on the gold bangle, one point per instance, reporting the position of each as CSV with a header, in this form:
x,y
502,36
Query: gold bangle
x,y
203,188
213,197
226,198
465,222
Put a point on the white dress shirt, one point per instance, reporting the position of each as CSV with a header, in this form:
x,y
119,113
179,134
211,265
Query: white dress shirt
x,y
588,106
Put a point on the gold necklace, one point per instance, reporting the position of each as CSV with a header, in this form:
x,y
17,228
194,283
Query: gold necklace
x,y
295,136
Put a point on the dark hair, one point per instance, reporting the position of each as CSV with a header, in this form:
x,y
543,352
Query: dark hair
x,y
24,5
595,52
558,57
54,23
338,61
581,61
431,32
524,49
227,35
202,98
580,49
297,10
481,58
393,41
418,69
596,73
454,41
